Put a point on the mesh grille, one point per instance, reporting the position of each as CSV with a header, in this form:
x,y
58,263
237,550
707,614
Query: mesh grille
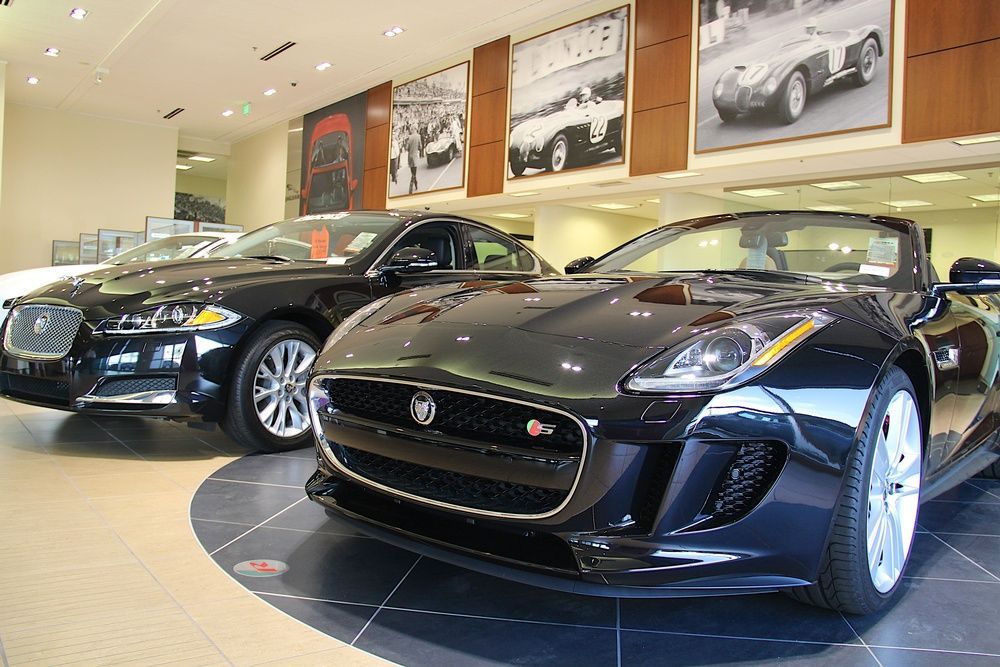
x,y
743,94
745,481
461,415
116,387
37,388
42,332
450,487
663,464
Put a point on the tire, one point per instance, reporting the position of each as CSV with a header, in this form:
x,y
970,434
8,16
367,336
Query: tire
x,y
517,167
793,98
867,63
558,153
991,471
727,116
849,581
244,422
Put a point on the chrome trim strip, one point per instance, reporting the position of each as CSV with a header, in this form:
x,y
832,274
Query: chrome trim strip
x,y
335,462
151,398
32,356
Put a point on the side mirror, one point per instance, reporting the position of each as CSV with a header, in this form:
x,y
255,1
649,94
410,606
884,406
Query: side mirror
x,y
579,264
969,275
411,260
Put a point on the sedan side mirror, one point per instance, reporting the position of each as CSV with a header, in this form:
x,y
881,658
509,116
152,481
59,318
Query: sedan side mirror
x,y
579,264
411,260
969,275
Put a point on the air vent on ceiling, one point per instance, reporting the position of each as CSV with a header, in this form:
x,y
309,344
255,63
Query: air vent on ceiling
x,y
174,112
609,184
278,51
186,154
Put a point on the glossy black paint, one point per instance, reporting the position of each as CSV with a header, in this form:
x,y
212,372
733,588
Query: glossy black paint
x,y
314,294
566,343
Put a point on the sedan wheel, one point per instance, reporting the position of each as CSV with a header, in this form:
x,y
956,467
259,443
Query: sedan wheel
x,y
279,391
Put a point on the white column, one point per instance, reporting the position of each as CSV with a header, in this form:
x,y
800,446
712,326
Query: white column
x,y
564,233
676,206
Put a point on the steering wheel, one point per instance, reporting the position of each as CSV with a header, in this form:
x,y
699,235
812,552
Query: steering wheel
x,y
843,266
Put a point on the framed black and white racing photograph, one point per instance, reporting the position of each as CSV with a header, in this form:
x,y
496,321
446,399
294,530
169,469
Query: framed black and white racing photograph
x,y
427,132
65,253
778,70
567,97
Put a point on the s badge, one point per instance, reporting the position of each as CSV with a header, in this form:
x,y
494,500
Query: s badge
x,y
536,428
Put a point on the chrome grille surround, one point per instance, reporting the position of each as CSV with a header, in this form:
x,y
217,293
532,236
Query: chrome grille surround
x,y
41,332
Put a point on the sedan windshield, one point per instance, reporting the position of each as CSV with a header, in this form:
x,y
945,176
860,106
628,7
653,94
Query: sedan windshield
x,y
179,246
841,248
333,238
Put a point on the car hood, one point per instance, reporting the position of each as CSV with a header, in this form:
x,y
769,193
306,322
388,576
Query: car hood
x,y
114,290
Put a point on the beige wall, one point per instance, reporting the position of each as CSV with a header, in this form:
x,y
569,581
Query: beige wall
x,y
3,97
563,233
66,173
201,186
971,232
255,188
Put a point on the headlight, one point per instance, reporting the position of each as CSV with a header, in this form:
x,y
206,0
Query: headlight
x,y
353,320
717,91
770,86
172,318
725,356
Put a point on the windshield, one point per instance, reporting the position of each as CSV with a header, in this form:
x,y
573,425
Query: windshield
x,y
171,247
841,249
329,191
334,238
330,149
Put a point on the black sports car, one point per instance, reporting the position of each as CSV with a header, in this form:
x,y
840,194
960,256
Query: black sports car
x,y
573,136
232,338
799,69
742,403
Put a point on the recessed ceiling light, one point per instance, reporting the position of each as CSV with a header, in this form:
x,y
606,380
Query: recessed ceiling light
x,y
907,203
653,201
613,206
393,31
270,91
228,112
977,140
830,208
758,192
681,174
183,167
523,194
324,66
838,185
936,177
985,198
52,52
202,158
32,80
78,13
512,216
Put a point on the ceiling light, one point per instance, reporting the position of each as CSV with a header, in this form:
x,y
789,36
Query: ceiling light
x,y
52,52
78,13
653,201
202,158
523,194
613,206
830,208
977,140
228,112
758,192
682,174
907,203
32,80
324,66
935,177
393,31
985,198
838,185
512,216
183,167
270,91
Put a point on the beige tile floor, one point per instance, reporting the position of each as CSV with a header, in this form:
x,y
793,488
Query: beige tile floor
x,y
101,566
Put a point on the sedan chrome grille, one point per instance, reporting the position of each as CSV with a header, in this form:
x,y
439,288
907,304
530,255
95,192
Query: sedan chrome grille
x,y
41,332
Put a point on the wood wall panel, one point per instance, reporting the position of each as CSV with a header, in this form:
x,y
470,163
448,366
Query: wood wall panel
x,y
373,189
376,173
935,25
486,169
669,64
489,70
379,105
488,121
377,147
489,117
953,93
660,86
660,140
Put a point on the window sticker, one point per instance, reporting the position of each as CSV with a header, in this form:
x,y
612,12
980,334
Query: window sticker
x,y
336,261
875,270
360,242
757,257
883,251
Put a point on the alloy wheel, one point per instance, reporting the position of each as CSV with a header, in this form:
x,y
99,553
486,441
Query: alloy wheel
x,y
893,492
279,391
559,152
797,98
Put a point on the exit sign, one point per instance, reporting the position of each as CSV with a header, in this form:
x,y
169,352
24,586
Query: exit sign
x,y
246,108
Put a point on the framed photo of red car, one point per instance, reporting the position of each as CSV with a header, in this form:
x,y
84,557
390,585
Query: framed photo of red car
x,y
567,97
333,156
427,132
782,70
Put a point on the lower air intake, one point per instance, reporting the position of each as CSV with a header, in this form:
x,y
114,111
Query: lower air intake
x,y
744,483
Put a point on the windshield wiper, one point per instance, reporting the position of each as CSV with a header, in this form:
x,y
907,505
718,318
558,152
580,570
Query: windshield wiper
x,y
788,276
280,258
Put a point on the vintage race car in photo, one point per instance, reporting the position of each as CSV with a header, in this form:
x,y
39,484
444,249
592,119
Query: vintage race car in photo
x,y
574,136
682,417
442,150
782,84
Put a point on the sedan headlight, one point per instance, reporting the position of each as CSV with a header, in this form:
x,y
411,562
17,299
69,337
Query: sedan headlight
x,y
725,356
172,318
353,320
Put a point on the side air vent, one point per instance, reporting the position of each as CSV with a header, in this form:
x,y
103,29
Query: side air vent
x,y
175,112
278,51
750,474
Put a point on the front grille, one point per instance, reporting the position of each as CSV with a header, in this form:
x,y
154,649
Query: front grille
x,y
451,487
36,388
135,385
744,483
41,332
743,94
458,414
661,466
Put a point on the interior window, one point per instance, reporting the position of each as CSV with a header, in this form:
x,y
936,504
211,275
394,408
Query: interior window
x,y
495,253
436,238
